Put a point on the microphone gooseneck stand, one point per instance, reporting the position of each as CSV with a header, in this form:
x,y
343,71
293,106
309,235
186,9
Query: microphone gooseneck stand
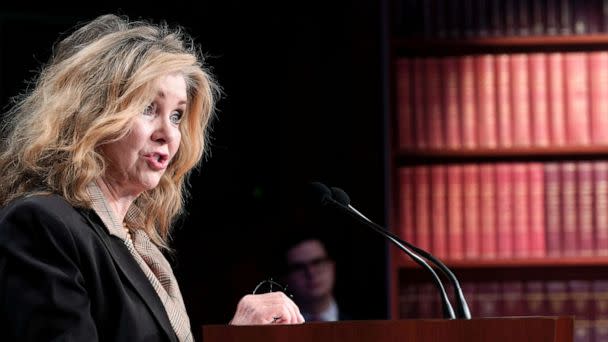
x,y
461,304
322,193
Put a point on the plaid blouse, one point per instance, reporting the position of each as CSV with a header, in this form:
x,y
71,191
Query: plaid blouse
x,y
152,262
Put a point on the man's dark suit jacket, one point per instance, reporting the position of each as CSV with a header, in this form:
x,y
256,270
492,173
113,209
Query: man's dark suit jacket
x,y
64,278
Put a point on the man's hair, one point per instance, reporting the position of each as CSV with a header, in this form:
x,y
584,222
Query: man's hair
x,y
98,80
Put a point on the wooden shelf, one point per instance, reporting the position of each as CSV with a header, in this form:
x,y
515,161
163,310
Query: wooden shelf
x,y
502,154
415,46
516,263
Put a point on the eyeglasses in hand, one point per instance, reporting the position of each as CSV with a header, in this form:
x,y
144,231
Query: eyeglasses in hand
x,y
269,285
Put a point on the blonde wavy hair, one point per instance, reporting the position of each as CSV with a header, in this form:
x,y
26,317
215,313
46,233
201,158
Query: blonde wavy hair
x,y
98,80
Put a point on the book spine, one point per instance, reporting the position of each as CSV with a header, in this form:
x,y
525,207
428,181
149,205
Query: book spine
x,y
599,309
481,14
496,18
538,17
600,329
467,102
552,18
537,210
579,298
535,300
577,102
439,210
593,16
580,18
428,301
604,15
408,300
568,212
487,210
520,103
422,207
468,18
488,299
539,99
523,17
520,210
407,220
471,211
584,194
504,210
600,209
512,298
503,100
486,97
557,105
557,297
598,102
455,223
469,288
565,17
510,13
553,209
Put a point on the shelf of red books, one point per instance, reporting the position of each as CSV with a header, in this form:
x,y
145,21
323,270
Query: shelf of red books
x,y
492,213
446,47
576,291
512,104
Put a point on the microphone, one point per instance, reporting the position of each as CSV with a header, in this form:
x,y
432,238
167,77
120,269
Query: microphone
x,y
462,307
321,193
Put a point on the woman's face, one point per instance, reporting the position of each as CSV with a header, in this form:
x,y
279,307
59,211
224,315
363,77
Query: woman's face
x,y
136,162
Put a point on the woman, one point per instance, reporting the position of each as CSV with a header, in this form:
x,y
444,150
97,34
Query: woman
x,y
95,159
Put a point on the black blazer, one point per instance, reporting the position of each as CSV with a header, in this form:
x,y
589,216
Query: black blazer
x,y
64,277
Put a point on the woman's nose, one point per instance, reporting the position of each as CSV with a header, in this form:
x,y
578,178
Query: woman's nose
x,y
165,131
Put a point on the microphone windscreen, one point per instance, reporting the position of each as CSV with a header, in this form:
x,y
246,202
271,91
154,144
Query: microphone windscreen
x,y
340,196
319,192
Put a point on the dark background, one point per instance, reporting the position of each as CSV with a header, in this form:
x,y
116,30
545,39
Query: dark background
x,y
303,100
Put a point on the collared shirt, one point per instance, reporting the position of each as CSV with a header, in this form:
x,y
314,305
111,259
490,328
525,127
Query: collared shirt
x,y
152,262
328,315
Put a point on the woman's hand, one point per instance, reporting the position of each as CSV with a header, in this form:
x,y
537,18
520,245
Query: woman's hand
x,y
267,308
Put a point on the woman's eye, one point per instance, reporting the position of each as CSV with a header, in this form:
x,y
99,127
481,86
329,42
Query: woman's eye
x,y
176,117
150,109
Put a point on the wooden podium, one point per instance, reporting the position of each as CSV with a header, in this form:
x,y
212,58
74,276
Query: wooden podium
x,y
507,329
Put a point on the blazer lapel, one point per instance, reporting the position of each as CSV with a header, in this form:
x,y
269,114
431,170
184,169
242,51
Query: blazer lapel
x,y
131,270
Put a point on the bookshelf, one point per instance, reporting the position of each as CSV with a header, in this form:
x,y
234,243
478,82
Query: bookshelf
x,y
499,156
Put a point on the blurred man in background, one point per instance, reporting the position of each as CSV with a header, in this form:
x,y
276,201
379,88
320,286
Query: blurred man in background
x,y
310,274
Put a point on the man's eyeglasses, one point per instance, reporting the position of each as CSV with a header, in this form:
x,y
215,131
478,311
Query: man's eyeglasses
x,y
316,263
